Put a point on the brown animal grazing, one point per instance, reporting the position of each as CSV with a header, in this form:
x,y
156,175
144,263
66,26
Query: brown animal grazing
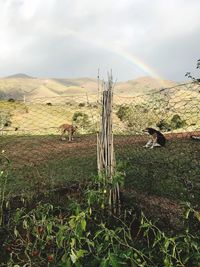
x,y
67,128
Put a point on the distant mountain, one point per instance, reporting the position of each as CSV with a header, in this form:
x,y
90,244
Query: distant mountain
x,y
18,85
19,75
142,85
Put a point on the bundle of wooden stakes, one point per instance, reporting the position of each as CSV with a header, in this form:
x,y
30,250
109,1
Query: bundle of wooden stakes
x,y
105,148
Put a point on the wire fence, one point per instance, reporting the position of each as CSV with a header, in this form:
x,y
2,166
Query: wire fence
x,y
30,136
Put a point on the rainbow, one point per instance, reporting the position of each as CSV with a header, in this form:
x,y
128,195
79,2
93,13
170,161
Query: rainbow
x,y
124,54
137,62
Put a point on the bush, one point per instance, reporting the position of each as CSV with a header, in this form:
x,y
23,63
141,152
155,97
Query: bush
x,y
49,104
163,125
7,123
81,105
123,112
5,118
12,100
81,120
177,122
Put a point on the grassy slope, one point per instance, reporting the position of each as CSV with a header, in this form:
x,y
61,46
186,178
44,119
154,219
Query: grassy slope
x,y
39,118
35,88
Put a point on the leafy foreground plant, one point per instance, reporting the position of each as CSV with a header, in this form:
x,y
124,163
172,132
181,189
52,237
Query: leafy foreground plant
x,y
88,235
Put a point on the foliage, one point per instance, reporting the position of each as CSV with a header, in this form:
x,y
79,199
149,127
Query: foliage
x,y
137,117
80,118
194,79
177,122
86,235
83,122
4,164
81,105
163,125
123,112
5,118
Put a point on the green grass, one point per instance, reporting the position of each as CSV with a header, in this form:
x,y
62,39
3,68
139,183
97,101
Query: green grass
x,y
51,174
39,163
172,172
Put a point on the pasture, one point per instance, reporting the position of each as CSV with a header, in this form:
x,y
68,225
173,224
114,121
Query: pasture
x,y
41,163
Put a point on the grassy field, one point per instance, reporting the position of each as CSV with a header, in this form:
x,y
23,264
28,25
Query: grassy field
x,y
43,115
40,163
172,172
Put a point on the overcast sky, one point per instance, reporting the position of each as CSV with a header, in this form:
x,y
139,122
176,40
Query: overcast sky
x,y
73,38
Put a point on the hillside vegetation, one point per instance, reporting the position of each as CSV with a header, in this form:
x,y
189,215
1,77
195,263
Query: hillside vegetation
x,y
17,86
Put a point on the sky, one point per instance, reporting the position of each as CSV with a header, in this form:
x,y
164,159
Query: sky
x,y
75,38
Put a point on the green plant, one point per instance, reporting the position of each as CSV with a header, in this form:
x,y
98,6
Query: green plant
x,y
5,118
81,105
81,120
163,125
4,161
84,234
123,112
177,122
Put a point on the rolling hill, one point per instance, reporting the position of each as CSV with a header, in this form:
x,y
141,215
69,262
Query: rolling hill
x,y
20,85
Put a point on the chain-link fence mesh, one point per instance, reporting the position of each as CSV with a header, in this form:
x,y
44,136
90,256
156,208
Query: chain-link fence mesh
x,y
30,136
171,171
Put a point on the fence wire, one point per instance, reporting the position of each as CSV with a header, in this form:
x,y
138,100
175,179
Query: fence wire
x,y
30,136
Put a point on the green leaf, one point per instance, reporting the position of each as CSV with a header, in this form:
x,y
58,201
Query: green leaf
x,y
72,223
25,224
80,253
66,261
73,242
73,256
187,212
49,227
197,214
114,261
83,224
166,244
16,232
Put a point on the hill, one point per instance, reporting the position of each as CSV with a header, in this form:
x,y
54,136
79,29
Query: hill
x,y
20,75
20,85
142,85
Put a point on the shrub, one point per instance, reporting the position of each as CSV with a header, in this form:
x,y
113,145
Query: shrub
x,y
5,118
11,100
163,125
177,122
81,105
69,103
81,119
123,112
7,123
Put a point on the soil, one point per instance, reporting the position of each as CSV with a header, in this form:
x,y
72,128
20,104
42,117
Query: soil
x,y
32,150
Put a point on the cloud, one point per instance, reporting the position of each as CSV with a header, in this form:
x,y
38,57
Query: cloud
x,y
73,38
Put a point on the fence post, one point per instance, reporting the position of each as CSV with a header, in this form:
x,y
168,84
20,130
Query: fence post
x,y
105,148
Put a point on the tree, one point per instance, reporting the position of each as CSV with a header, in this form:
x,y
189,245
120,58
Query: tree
x,y
188,74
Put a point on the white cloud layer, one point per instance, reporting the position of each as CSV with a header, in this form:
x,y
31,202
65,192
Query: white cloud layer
x,y
73,38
